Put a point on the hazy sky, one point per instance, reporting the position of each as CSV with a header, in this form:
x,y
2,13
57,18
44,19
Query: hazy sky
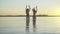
x,y
15,7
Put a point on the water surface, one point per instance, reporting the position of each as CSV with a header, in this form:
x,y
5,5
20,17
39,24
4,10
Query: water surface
x,y
16,25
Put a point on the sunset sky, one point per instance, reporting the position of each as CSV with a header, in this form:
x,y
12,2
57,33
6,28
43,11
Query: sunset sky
x,y
17,7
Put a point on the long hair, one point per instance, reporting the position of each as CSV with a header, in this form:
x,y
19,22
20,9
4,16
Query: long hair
x,y
27,9
34,10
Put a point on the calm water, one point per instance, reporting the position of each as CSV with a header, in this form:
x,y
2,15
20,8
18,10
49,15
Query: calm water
x,y
16,25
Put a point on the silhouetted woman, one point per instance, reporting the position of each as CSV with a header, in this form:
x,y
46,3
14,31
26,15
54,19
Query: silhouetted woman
x,y
27,17
34,17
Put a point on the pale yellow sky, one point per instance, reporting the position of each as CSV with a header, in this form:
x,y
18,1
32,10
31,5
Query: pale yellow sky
x,y
17,7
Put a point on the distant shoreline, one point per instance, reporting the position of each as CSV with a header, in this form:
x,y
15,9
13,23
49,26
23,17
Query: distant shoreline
x,y
30,15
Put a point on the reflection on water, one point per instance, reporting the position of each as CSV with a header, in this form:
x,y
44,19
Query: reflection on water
x,y
28,21
34,23
17,25
27,29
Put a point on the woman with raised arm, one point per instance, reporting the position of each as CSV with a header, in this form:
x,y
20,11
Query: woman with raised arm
x,y
34,17
27,17
27,9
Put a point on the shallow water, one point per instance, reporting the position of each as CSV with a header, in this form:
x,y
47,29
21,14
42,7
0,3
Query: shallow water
x,y
16,25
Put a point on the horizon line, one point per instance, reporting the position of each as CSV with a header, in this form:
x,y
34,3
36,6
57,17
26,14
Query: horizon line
x,y
30,15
